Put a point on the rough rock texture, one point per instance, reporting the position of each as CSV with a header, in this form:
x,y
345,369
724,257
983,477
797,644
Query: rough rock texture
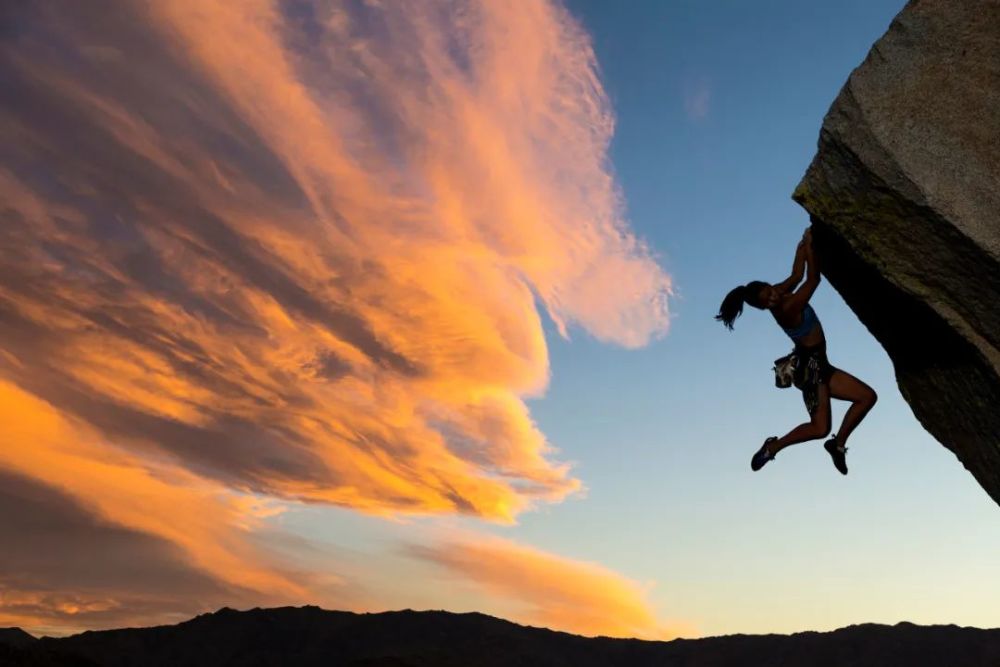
x,y
904,195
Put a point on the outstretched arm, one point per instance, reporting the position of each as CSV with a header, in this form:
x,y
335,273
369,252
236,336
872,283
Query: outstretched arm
x,y
798,268
802,295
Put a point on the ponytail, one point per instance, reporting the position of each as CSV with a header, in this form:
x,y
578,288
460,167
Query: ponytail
x,y
732,306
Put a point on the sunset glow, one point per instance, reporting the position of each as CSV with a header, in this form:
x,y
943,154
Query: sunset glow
x,y
299,253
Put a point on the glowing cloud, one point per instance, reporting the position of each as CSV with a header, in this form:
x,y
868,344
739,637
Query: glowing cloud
x,y
552,591
93,535
300,251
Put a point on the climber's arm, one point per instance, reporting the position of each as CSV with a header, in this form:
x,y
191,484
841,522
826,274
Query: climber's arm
x,y
805,291
798,268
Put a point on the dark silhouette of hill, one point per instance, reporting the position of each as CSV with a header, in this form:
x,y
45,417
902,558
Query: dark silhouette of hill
x,y
307,636
15,637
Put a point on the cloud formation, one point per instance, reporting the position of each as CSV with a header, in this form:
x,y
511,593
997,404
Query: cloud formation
x,y
299,251
95,536
697,97
550,590
65,568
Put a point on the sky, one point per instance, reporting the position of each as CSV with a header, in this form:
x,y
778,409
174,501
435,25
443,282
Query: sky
x,y
382,306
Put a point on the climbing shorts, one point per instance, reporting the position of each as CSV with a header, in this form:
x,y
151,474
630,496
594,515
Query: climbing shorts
x,y
811,370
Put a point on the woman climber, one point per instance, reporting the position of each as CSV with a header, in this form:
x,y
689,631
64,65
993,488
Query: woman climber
x,y
813,374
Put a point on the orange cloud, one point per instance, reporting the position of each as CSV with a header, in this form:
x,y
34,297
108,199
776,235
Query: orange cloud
x,y
160,500
552,591
299,251
339,248
94,535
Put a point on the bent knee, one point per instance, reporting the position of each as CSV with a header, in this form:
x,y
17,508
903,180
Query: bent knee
x,y
821,428
870,398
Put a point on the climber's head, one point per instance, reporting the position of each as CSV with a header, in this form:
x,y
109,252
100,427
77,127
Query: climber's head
x,y
756,293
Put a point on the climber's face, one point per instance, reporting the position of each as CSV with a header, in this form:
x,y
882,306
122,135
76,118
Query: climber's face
x,y
768,297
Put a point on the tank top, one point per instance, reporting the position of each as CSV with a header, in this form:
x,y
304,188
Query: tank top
x,y
809,320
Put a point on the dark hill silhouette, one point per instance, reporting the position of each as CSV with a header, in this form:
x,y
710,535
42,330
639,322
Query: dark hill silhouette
x,y
15,637
307,636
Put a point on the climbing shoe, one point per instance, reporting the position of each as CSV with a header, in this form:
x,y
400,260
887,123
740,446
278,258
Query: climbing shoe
x,y
762,456
837,453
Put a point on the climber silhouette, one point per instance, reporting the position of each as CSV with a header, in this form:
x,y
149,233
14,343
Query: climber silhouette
x,y
813,374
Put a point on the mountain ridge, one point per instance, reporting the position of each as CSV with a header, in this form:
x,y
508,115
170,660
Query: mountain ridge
x,y
309,635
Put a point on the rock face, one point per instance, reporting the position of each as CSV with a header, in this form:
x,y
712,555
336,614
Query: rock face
x,y
904,195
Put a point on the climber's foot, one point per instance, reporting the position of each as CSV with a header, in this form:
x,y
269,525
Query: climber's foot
x,y
762,456
837,453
